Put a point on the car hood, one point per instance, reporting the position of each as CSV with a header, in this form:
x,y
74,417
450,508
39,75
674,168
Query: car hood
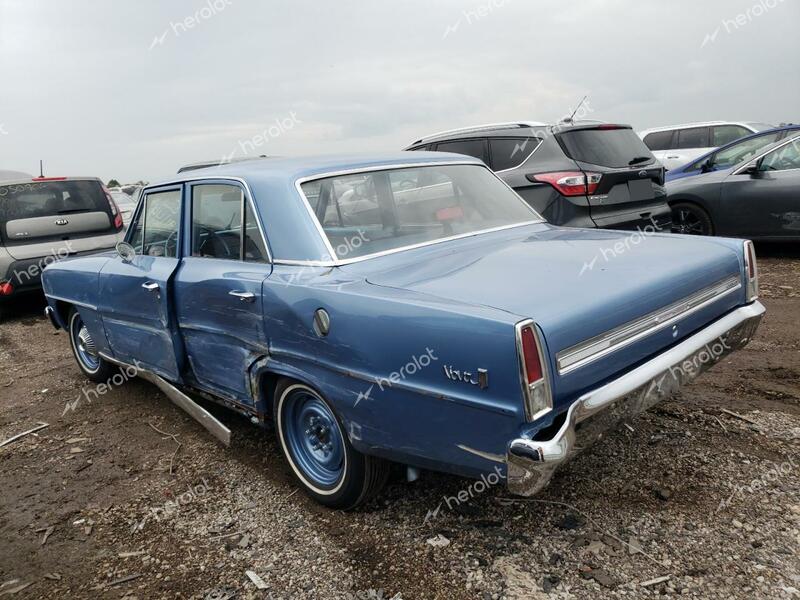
x,y
574,283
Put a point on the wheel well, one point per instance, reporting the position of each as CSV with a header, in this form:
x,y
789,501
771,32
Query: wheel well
x,y
267,384
62,308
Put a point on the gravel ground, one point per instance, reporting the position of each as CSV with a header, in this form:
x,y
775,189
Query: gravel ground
x,y
124,496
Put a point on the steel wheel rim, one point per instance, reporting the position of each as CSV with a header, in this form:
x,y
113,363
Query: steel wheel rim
x,y
85,347
313,438
686,221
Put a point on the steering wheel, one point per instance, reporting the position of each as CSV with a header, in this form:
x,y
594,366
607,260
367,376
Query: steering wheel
x,y
212,235
171,241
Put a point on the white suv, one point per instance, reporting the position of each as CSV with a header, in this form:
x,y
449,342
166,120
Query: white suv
x,y
677,145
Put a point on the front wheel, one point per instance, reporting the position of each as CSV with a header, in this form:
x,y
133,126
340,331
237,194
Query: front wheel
x,y
84,348
691,219
318,451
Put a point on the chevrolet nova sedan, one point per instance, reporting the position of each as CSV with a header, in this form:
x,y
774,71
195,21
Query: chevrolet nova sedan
x,y
407,308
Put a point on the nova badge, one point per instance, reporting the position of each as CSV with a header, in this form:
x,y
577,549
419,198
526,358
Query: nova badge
x,y
482,380
62,221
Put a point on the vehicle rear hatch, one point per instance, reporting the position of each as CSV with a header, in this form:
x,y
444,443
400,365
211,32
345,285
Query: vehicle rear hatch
x,y
631,181
43,213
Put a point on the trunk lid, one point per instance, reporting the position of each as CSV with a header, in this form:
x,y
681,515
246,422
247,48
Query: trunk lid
x,y
576,284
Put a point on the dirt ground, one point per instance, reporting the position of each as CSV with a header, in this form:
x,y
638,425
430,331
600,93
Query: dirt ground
x,y
124,496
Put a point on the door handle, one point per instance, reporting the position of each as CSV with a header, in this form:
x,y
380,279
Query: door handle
x,y
672,157
243,296
151,286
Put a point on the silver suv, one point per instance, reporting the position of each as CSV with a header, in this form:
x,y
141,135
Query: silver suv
x,y
45,219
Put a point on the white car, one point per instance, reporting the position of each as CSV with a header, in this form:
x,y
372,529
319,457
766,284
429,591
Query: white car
x,y
677,145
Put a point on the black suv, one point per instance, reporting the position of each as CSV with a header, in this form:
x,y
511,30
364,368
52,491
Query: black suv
x,y
582,174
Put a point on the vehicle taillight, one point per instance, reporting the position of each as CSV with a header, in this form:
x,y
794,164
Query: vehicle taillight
x,y
533,366
570,183
6,288
533,372
114,209
751,270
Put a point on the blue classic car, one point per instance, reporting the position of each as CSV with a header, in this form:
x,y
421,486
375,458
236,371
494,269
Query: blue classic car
x,y
407,308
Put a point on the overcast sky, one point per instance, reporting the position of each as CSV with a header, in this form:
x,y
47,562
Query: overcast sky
x,y
133,90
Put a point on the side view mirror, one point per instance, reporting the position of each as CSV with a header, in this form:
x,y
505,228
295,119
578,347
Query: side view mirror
x,y
752,170
708,165
126,252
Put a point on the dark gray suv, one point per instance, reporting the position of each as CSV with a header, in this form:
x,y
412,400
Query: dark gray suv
x,y
582,174
45,219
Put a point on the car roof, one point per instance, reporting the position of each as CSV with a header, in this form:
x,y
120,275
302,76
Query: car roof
x,y
31,179
510,129
285,213
291,169
697,124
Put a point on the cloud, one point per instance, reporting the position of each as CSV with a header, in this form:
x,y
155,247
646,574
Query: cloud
x,y
85,92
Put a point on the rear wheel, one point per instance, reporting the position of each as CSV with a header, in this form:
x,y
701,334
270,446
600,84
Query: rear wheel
x,y
318,451
691,219
85,350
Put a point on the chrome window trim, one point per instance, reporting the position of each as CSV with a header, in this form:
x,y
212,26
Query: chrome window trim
x,y
527,388
336,262
210,180
784,142
583,353
524,160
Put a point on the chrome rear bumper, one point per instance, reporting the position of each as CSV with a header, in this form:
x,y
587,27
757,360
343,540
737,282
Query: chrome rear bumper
x,y
531,463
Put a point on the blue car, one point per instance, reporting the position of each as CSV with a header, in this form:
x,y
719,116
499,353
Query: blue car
x,y
406,308
733,153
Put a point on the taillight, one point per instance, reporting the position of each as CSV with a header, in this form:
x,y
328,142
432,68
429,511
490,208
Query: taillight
x,y
751,270
570,183
115,212
530,353
6,288
533,371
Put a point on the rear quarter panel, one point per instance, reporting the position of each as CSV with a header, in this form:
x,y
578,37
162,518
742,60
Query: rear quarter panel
x,y
382,367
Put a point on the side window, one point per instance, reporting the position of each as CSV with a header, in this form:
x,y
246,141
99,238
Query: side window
x,y
782,159
695,137
472,147
216,221
254,248
725,134
156,229
660,140
508,153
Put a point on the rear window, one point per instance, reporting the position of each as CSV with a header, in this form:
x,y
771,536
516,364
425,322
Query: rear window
x,y
606,147
49,199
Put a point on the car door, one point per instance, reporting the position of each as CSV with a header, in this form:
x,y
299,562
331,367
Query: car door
x,y
218,299
135,296
689,143
762,198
